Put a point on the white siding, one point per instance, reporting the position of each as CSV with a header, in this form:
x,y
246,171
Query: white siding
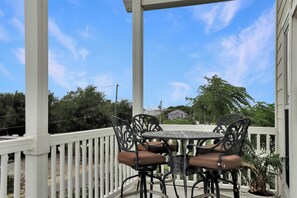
x,y
284,19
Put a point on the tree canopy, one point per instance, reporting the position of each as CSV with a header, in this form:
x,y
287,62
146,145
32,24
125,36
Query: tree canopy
x,y
87,108
261,114
78,110
12,113
218,98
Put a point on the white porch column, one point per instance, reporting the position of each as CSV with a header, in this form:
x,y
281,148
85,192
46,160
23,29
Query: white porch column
x,y
137,11
293,109
36,47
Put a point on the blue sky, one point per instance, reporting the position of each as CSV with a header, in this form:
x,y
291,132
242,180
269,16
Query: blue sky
x,y
90,43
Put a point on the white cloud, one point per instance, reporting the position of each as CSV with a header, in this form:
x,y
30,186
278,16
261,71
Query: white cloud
x,y
18,25
70,79
79,79
179,91
105,84
175,19
217,16
208,17
86,33
20,54
4,71
229,10
246,55
129,20
57,71
194,55
83,53
66,41
4,36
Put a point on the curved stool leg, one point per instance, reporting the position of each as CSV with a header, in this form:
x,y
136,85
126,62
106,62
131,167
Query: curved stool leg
x,y
174,186
122,186
173,181
197,182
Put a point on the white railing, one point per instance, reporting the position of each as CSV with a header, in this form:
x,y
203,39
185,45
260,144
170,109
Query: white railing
x,y
12,170
84,164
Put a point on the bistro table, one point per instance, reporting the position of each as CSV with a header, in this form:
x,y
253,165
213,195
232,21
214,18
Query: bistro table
x,y
183,136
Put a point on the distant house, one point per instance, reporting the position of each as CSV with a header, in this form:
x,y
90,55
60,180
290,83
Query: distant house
x,y
153,112
176,114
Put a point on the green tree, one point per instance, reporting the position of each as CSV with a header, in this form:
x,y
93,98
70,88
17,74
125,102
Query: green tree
x,y
218,98
78,110
124,108
82,109
261,114
12,113
53,102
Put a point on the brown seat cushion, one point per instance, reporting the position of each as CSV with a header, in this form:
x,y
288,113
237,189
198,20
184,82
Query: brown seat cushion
x,y
145,158
210,160
207,148
156,147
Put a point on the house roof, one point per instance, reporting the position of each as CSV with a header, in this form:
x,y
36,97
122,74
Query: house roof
x,y
160,4
175,111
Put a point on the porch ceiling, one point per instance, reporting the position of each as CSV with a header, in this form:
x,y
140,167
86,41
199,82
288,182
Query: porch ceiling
x,y
160,4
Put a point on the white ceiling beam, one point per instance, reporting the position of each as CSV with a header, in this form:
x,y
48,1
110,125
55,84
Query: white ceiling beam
x,y
161,4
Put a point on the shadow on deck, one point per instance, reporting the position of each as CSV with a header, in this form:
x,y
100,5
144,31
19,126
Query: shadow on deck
x,y
180,189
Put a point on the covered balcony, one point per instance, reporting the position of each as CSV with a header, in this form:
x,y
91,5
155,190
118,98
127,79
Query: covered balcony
x,y
80,164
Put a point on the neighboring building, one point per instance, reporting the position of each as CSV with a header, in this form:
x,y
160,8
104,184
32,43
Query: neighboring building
x,y
286,92
176,114
153,112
